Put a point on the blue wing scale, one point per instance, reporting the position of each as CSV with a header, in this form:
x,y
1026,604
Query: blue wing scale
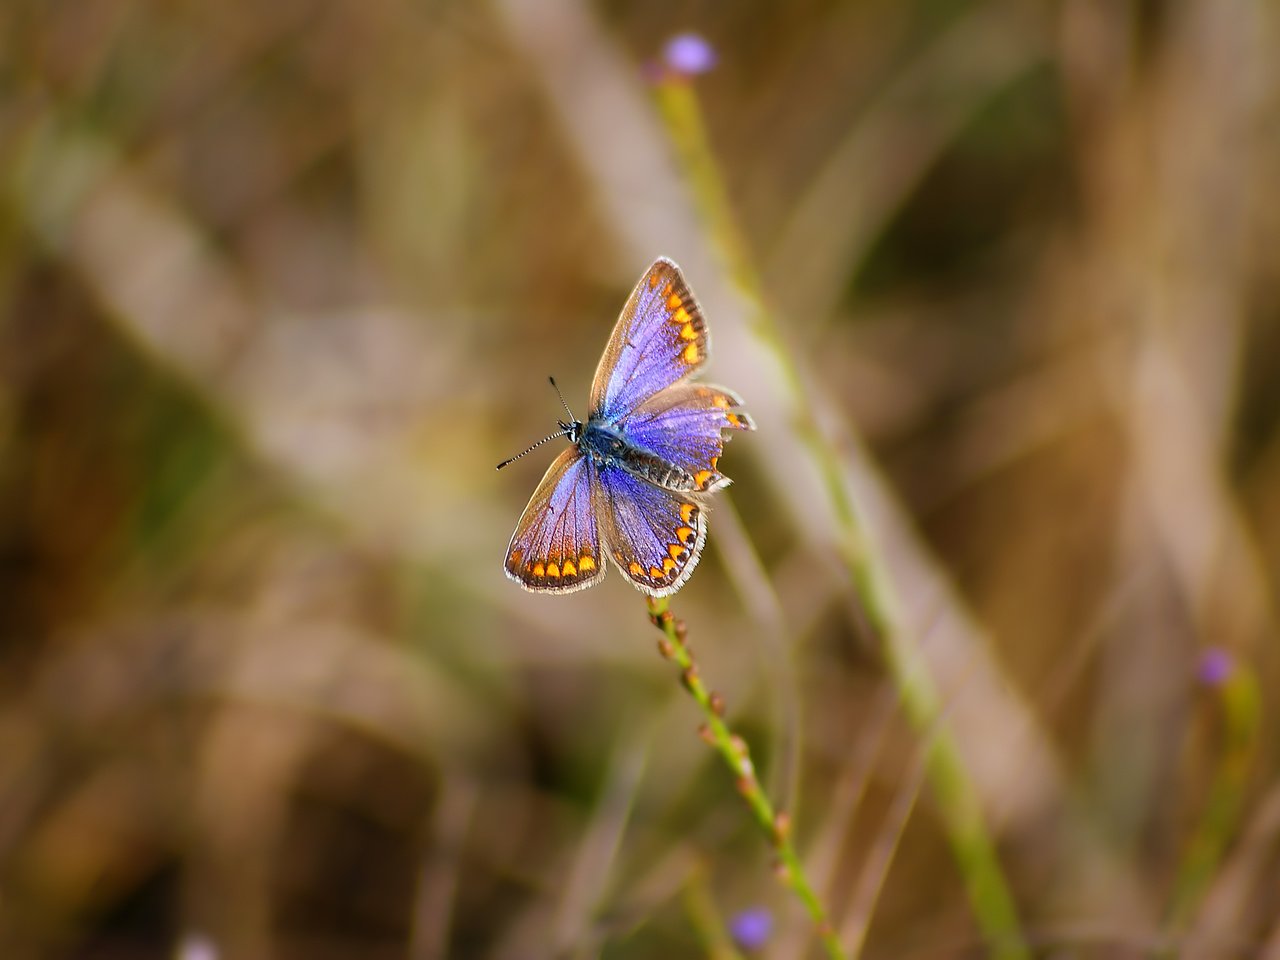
x,y
654,536
659,339
556,546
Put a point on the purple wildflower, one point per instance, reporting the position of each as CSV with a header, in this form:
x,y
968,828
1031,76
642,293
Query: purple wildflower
x,y
1215,667
197,946
689,54
751,928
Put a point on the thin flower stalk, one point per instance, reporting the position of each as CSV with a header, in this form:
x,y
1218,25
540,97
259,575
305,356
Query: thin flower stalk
x,y
959,808
1238,702
776,825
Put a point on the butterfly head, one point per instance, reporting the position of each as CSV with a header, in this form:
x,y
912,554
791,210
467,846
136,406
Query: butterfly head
x,y
571,429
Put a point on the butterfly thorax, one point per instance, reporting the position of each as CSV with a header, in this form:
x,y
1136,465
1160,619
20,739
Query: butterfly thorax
x,y
608,447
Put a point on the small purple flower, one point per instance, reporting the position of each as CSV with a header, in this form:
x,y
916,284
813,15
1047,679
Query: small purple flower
x,y
197,946
689,54
1216,666
750,928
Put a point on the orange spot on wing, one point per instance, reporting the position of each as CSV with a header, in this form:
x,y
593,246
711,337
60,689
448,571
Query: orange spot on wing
x,y
701,477
553,570
681,316
635,569
539,570
691,354
684,534
569,570
721,401
586,564
655,573
715,463
674,301
667,566
688,333
687,512
677,552
653,279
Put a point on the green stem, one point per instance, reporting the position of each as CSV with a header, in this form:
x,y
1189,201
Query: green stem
x,y
734,750
1239,702
960,810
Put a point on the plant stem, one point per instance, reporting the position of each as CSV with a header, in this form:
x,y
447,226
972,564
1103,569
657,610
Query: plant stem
x,y
734,750
1239,702
959,807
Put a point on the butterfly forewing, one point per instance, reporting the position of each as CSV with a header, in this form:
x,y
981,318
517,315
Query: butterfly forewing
x,y
556,546
659,339
654,536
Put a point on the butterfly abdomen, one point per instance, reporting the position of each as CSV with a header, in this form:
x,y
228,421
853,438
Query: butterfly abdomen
x,y
656,470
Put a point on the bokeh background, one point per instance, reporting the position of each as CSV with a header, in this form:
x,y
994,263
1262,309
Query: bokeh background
x,y
282,282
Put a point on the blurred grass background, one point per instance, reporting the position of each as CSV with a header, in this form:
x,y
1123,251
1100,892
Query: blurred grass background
x,y
282,283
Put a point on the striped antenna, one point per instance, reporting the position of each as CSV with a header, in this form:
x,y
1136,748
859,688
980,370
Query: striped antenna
x,y
563,403
570,429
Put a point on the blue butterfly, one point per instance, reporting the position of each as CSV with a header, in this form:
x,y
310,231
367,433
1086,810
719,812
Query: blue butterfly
x,y
632,485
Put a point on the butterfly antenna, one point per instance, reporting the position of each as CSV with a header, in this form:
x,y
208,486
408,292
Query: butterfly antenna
x,y
564,404
568,429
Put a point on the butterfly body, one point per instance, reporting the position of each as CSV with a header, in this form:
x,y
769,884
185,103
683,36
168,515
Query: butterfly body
x,y
608,447
633,483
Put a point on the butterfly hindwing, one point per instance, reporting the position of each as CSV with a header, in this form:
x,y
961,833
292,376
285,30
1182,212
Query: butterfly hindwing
x,y
660,338
654,536
684,425
556,546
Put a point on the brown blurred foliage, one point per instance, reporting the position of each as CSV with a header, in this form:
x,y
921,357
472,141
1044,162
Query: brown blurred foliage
x,y
282,282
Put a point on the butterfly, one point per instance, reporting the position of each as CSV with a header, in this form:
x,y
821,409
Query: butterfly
x,y
632,487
